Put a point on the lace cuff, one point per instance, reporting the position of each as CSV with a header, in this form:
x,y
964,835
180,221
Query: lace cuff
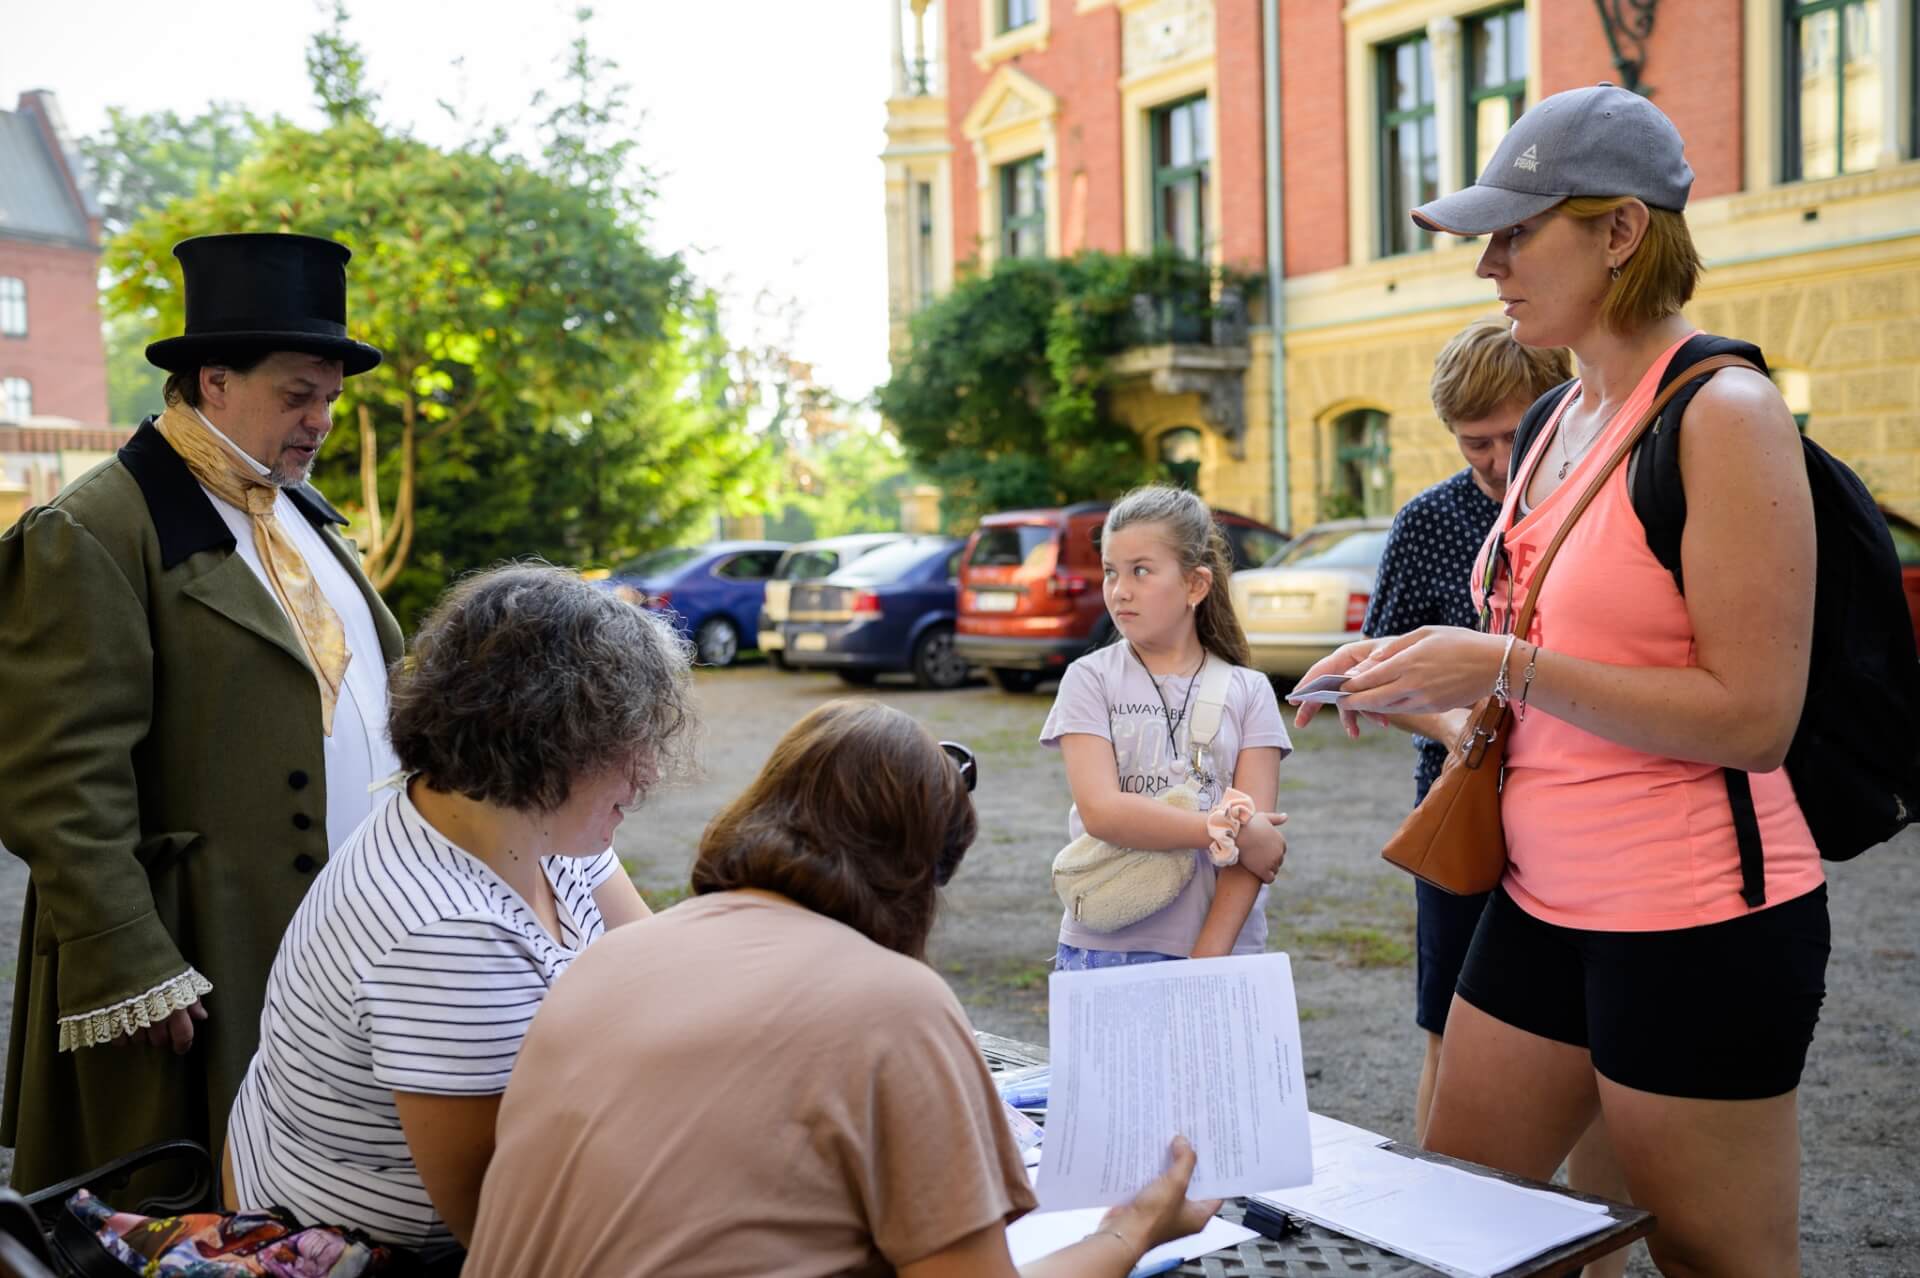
x,y
89,1029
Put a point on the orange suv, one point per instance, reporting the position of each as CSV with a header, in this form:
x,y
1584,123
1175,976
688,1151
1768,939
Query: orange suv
x,y
1030,597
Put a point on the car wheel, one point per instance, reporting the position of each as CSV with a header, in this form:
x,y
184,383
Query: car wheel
x,y
858,678
717,643
1014,680
935,663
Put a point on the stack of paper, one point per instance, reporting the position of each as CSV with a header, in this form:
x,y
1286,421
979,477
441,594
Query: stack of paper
x,y
1453,1220
1208,1049
1045,1232
1042,1233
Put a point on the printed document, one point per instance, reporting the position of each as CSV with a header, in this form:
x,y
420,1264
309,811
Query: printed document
x,y
1208,1049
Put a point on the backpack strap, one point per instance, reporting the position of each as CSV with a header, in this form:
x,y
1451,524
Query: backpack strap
x,y
1660,500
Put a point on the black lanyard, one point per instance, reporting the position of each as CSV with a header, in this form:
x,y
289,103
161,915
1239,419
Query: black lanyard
x,y
1165,710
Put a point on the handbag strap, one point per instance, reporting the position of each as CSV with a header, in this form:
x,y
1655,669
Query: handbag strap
x,y
1210,703
1626,445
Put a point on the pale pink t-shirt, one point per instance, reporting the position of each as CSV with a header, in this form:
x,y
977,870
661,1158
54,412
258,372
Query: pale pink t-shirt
x,y
1601,836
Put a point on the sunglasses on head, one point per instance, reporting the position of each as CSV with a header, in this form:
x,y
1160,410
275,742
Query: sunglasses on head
x,y
962,759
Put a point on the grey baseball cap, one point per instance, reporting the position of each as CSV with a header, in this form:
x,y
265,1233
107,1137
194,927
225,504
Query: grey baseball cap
x,y
1601,141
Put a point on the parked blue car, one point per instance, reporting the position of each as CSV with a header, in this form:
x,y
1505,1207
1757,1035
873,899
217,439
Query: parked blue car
x,y
891,610
713,591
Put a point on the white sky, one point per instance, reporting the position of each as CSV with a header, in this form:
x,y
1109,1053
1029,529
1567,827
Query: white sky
x,y
764,118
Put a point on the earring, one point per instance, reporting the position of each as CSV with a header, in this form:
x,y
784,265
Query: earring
x,y
1616,272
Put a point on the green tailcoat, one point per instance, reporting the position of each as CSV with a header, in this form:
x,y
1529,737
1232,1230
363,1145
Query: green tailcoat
x,y
162,775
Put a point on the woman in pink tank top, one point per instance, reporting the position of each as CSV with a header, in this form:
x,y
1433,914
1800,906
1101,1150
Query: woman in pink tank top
x,y
1618,969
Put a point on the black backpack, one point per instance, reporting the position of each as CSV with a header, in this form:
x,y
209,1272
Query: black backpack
x,y
1855,758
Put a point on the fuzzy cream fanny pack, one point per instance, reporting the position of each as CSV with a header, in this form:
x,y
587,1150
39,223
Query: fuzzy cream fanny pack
x,y
1106,888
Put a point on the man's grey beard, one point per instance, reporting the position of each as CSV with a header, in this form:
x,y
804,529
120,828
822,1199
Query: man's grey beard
x,y
279,476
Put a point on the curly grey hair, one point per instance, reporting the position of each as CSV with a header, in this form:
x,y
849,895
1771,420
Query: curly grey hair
x,y
524,678
1197,542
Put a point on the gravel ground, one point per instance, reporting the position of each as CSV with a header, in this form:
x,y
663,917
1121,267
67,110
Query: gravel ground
x,y
1347,920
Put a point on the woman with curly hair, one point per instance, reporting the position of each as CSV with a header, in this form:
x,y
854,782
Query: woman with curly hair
x,y
531,714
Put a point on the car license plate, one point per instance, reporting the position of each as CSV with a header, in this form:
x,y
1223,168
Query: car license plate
x,y
995,600
1282,604
810,641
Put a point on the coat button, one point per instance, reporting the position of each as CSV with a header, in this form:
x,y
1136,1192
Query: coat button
x,y
301,821
303,863
297,779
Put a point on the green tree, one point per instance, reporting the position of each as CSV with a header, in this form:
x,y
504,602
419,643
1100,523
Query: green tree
x,y
551,384
857,474
1002,397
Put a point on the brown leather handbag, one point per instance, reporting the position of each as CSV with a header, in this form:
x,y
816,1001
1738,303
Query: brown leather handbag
x,y
1454,839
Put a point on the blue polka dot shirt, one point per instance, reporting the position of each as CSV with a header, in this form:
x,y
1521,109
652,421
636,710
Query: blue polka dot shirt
x,y
1424,573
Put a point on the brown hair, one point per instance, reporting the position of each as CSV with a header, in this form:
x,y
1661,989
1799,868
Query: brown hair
x,y
858,815
1658,280
1483,368
183,386
1198,543
525,677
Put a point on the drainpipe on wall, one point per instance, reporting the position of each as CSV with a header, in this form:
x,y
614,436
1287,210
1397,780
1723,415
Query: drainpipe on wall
x,y
1276,265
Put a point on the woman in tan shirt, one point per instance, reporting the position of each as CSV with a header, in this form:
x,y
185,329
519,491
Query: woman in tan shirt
x,y
767,1079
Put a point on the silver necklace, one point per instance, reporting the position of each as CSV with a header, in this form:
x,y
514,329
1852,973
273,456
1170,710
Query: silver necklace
x,y
1568,456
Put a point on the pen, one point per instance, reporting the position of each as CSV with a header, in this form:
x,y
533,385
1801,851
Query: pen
x,y
1166,1266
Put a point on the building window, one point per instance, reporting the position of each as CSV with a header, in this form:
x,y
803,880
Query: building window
x,y
1362,479
1181,451
1496,83
13,306
1019,13
16,398
1023,209
1409,143
922,244
1182,158
1833,101
1913,80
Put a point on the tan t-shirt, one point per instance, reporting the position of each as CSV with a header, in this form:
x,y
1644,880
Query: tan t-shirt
x,y
744,1087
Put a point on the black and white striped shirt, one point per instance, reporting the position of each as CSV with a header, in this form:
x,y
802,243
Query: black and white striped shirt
x,y
410,967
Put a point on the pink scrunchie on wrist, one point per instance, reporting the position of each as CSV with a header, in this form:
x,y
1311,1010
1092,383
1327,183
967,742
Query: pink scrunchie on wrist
x,y
1224,824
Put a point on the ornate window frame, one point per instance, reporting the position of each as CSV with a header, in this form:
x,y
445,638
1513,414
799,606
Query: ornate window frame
x,y
1014,118
996,46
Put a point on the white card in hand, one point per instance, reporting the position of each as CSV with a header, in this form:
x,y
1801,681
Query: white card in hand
x,y
1324,691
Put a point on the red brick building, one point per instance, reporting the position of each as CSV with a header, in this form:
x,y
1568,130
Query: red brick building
x,y
53,366
1049,126
52,360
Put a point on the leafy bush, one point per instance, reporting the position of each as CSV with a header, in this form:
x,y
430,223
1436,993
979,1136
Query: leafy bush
x,y
1003,397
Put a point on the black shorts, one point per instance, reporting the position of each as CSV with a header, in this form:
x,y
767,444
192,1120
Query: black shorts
x,y
1721,1012
1443,929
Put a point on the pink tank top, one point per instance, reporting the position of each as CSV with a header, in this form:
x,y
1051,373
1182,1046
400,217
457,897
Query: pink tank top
x,y
1600,836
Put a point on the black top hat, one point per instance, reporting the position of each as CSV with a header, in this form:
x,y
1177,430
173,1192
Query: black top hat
x,y
258,293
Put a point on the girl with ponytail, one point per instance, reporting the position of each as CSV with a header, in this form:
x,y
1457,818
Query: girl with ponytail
x,y
1124,720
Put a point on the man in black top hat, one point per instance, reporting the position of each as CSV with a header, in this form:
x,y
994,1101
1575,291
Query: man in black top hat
x,y
192,714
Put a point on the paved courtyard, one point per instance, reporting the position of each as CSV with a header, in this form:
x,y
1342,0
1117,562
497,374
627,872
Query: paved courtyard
x,y
1344,917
